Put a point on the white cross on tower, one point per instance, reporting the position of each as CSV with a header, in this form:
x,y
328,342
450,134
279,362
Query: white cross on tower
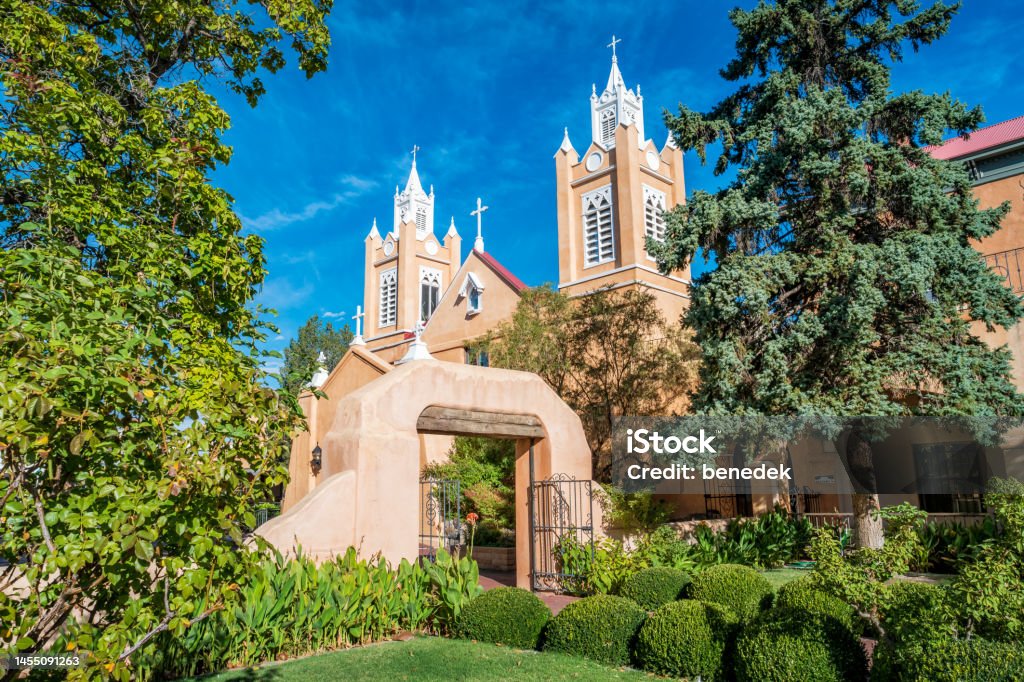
x,y
478,245
358,317
416,148
612,45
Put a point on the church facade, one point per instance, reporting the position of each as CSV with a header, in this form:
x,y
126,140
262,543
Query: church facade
x,y
423,299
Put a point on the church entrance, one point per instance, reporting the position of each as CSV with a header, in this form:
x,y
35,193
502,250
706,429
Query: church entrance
x,y
368,493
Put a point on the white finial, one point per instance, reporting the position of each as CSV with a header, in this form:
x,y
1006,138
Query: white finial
x,y
478,245
320,375
612,45
566,143
374,233
593,93
417,349
358,317
452,232
416,148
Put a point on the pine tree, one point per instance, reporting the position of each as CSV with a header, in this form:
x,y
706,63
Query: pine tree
x,y
300,356
846,281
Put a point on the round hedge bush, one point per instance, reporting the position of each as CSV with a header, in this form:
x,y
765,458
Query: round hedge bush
x,y
740,588
789,644
601,627
804,594
912,611
655,587
685,639
505,615
945,659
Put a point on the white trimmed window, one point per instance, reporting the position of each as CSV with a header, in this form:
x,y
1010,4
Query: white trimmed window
x,y
388,313
430,292
473,291
608,127
421,219
598,241
654,214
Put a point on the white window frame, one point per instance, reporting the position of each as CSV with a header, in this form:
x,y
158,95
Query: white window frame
x,y
589,201
607,133
430,276
387,315
654,219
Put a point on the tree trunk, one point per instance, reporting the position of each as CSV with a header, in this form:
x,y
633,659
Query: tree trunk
x,y
867,525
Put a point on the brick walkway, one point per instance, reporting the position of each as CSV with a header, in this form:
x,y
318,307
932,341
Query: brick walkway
x,y
555,602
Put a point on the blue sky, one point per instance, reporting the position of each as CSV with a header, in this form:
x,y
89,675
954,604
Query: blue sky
x,y
485,91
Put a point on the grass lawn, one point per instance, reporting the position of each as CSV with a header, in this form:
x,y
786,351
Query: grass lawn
x,y
780,576
431,658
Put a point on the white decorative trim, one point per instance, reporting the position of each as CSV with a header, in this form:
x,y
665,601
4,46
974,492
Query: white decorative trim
x,y
472,284
624,268
654,223
387,313
430,276
598,204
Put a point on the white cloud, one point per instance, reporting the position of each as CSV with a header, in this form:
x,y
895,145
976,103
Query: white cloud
x,y
329,314
273,366
280,294
276,219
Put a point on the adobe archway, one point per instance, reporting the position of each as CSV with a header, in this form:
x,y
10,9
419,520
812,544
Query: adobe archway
x,y
367,492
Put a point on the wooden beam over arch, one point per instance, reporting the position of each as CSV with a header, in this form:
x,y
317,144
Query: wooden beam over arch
x,y
452,421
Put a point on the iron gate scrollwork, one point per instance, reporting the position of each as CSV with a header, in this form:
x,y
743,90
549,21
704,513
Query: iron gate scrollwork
x,y
440,516
562,532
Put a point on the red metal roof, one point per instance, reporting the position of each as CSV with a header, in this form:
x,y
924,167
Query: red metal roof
x,y
980,140
501,270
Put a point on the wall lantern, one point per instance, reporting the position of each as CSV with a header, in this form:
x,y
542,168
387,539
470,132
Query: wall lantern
x,y
317,454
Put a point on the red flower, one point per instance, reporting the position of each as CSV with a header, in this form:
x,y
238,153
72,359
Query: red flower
x,y
472,518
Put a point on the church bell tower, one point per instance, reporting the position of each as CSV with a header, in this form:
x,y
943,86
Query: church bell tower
x,y
408,268
613,197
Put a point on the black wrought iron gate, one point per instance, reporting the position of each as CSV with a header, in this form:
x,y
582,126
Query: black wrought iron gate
x,y
440,516
561,531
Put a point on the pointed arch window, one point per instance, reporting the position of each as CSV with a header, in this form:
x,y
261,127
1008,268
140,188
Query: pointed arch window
x,y
430,292
608,127
599,244
421,219
388,313
654,214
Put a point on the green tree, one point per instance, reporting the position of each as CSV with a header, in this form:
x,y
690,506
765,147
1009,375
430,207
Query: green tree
x,y
607,354
300,356
846,282
136,427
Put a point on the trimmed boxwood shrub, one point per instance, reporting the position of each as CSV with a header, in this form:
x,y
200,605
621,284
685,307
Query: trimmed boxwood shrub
x,y
948,660
806,595
654,587
740,588
601,627
685,639
789,644
912,611
505,615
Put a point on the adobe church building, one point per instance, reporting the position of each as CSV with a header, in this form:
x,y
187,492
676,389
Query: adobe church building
x,y
409,381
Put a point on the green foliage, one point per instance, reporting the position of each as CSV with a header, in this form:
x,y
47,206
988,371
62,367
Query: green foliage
x,y
806,595
138,429
505,615
600,570
986,596
789,644
912,611
455,582
607,354
633,512
300,357
948,660
846,280
857,577
1005,497
295,607
601,627
740,588
485,469
686,638
768,541
945,545
655,586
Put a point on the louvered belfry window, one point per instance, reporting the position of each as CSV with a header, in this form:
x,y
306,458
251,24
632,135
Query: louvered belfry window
x,y
599,246
388,297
